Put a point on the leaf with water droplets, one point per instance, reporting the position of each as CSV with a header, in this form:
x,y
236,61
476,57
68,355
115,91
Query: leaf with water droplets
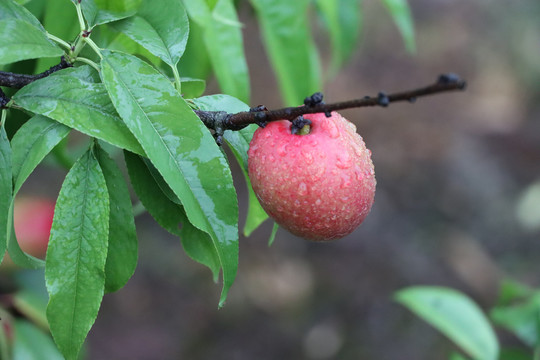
x,y
181,148
75,263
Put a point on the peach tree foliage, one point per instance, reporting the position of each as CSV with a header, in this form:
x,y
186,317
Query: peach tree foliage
x,y
138,73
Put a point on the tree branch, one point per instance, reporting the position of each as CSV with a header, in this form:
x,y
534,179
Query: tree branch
x,y
17,81
220,121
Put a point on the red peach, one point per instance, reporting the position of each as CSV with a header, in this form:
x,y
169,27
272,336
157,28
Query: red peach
x,y
319,186
33,218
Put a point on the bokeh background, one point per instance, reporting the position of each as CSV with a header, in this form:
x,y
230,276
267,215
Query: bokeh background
x,y
457,204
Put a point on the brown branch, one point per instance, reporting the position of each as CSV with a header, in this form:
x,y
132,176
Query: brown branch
x,y
17,81
220,121
445,83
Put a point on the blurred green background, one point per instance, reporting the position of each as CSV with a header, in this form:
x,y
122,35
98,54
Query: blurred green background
x,y
457,204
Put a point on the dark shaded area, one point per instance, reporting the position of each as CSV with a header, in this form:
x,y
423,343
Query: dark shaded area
x,y
451,208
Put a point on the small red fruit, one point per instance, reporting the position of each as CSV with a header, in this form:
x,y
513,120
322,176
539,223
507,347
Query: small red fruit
x,y
33,219
319,186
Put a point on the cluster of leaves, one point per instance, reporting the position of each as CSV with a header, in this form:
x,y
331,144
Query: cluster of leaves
x,y
460,319
126,93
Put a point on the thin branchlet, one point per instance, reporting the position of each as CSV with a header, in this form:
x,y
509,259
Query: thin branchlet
x,y
445,83
17,81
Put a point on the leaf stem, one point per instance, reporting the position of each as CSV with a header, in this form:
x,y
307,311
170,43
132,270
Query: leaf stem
x,y
59,41
177,78
93,46
3,117
89,62
80,16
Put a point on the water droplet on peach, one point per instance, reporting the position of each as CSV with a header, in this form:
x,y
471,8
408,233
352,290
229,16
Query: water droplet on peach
x,y
344,161
302,189
332,129
308,158
282,150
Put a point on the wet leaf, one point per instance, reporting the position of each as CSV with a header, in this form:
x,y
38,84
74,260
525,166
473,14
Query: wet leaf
x,y
30,144
170,215
11,10
76,98
181,148
20,40
75,263
152,28
97,12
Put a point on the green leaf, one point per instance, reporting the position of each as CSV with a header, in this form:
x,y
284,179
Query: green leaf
x,y
75,263
32,305
401,13
31,143
32,343
515,354
455,315
97,12
275,228
191,88
121,42
5,189
195,61
162,27
76,98
122,250
20,40
290,47
456,356
170,215
11,10
223,41
512,290
66,29
181,148
342,19
522,319
238,141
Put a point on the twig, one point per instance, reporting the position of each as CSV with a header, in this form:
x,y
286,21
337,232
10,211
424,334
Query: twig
x,y
220,121
17,81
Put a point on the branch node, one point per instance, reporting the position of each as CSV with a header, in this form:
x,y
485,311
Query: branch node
x,y
314,100
260,115
449,78
383,99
